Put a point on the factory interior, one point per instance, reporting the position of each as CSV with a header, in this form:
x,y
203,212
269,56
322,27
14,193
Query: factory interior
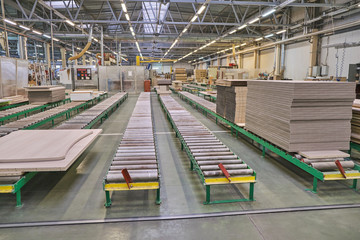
x,y
180,119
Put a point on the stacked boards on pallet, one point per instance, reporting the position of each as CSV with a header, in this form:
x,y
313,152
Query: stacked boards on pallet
x,y
212,75
355,122
301,116
177,85
200,75
45,94
164,86
231,100
180,74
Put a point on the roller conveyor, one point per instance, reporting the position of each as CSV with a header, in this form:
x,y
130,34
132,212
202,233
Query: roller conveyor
x,y
36,118
214,162
89,117
134,166
323,169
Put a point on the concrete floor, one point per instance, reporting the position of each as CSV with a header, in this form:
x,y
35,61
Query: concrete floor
x,y
77,195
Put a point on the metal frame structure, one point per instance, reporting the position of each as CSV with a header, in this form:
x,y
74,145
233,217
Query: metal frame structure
x,y
237,130
208,182
216,20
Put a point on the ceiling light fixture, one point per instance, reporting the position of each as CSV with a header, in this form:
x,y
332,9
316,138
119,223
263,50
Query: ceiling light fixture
x,y
268,13
254,20
70,22
269,35
282,31
258,39
37,32
24,27
9,21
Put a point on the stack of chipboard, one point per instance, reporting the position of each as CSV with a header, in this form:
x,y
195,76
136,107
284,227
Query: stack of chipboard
x,y
177,85
81,96
180,74
200,75
355,122
299,115
45,94
231,100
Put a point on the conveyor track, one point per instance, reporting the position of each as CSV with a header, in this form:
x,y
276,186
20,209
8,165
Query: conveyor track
x,y
136,155
215,163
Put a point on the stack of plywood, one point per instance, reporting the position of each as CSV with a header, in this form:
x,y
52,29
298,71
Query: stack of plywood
x,y
45,94
180,74
231,100
177,85
200,75
81,96
355,122
299,115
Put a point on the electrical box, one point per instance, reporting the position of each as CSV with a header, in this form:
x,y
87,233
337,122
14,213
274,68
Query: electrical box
x,y
324,70
354,72
83,73
316,71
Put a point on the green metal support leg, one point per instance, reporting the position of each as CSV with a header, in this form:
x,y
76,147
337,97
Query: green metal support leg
x,y
158,200
354,184
18,198
207,194
251,191
315,182
108,199
263,151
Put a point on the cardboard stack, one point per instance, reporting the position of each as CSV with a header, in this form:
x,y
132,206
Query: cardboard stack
x,y
180,74
164,86
355,122
200,74
231,100
299,115
45,94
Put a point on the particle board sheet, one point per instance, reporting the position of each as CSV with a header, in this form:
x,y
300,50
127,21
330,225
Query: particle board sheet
x,y
35,118
205,103
86,117
206,149
45,94
231,102
136,152
45,146
301,116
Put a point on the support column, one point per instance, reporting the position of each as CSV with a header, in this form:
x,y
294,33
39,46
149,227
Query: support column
x,y
277,60
47,54
6,43
313,52
218,60
102,46
22,47
227,61
241,60
256,59
63,57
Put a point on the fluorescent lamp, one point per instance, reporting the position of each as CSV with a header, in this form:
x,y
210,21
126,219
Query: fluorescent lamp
x,y
47,36
241,45
213,42
132,33
38,45
127,16
269,35
131,29
202,8
233,31
37,32
258,39
55,39
9,21
282,31
24,27
268,13
123,6
95,39
185,30
70,22
254,20
194,18
241,27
